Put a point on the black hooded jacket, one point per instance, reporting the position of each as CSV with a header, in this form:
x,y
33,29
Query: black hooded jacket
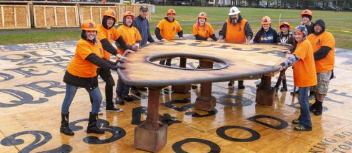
x,y
106,43
324,50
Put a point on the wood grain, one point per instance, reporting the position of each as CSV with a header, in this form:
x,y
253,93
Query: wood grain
x,y
243,61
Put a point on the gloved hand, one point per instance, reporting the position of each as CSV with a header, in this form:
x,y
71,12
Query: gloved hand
x,y
119,61
115,67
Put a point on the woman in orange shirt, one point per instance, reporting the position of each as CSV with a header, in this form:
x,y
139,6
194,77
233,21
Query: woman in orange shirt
x,y
304,75
203,30
82,73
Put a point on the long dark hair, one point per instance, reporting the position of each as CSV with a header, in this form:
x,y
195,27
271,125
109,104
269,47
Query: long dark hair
x,y
104,22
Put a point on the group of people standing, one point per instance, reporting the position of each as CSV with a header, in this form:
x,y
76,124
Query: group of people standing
x,y
312,56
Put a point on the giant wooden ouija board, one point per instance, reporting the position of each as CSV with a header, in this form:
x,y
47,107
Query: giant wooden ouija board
x,y
32,91
233,61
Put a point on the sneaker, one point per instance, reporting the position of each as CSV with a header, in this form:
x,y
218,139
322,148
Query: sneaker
x,y
113,109
128,98
283,89
167,91
302,128
100,112
294,92
276,89
194,87
119,100
296,121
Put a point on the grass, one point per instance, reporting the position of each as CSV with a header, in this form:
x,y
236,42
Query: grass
x,y
20,38
338,23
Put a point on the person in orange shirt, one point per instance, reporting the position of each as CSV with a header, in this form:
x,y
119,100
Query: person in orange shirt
x,y
132,37
236,30
307,17
304,75
106,34
166,30
323,43
82,72
203,30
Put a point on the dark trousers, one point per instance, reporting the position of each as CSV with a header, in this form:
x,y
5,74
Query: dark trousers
x,y
168,62
109,84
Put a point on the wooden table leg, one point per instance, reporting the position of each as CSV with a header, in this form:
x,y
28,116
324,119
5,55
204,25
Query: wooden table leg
x,y
265,93
205,101
151,135
182,88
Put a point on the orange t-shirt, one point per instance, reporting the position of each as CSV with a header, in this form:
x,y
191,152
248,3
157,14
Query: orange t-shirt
x,y
236,33
168,29
325,39
304,73
129,34
109,34
205,31
81,67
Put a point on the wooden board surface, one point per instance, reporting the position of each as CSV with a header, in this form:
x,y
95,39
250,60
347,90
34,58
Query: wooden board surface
x,y
243,61
32,91
46,16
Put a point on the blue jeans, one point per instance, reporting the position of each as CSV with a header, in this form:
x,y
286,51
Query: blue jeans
x,y
70,94
122,88
303,101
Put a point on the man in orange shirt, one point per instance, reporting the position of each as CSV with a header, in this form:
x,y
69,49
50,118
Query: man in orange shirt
x,y
166,30
304,75
132,37
203,30
323,43
106,34
236,30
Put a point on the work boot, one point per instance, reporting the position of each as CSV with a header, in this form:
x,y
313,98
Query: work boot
x,y
240,85
64,128
92,125
319,109
231,83
119,100
313,107
284,86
